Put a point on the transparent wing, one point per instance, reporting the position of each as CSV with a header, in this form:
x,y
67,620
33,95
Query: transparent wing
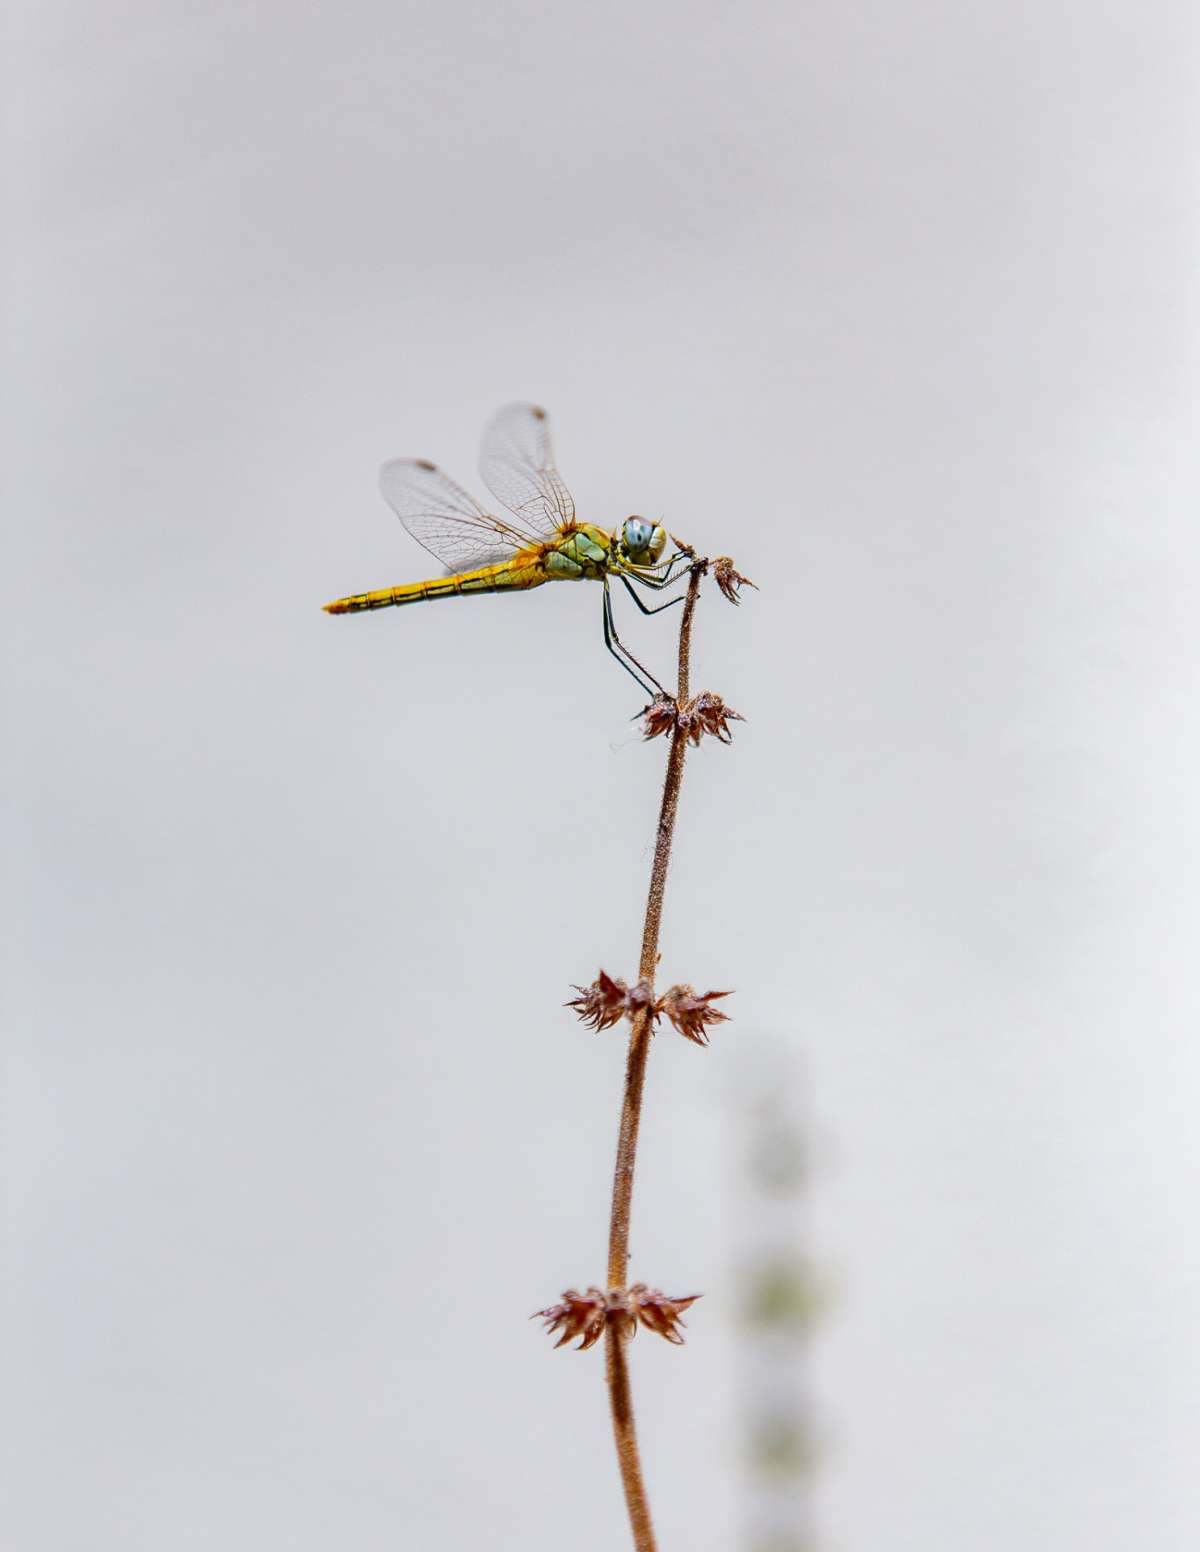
x,y
451,525
517,464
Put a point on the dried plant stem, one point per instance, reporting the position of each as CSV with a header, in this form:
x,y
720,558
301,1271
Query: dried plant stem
x,y
616,1334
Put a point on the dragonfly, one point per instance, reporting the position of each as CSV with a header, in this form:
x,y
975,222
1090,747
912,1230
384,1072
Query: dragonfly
x,y
538,540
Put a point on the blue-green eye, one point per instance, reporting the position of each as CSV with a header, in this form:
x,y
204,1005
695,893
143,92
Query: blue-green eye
x,y
637,534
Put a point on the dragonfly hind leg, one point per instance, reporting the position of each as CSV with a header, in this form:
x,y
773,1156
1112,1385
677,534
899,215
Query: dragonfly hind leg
x,y
622,653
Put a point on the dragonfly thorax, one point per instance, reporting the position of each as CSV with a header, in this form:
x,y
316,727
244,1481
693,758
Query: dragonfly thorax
x,y
641,541
579,551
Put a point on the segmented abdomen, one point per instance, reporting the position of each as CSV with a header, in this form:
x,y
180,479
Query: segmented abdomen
x,y
487,579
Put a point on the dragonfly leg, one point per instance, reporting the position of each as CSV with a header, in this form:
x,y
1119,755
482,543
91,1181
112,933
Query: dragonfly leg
x,y
648,579
622,653
687,560
658,608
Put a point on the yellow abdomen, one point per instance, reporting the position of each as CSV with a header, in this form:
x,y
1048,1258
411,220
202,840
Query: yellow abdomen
x,y
521,572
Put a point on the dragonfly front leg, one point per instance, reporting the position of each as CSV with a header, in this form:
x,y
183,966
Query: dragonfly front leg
x,y
658,608
622,653
669,575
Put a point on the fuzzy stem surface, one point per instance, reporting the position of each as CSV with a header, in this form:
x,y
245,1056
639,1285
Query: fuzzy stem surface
x,y
616,1335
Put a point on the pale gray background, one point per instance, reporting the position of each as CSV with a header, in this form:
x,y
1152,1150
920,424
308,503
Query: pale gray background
x,y
898,303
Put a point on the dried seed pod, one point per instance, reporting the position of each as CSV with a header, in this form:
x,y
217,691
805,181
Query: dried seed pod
x,y
690,1012
608,1000
728,580
585,1315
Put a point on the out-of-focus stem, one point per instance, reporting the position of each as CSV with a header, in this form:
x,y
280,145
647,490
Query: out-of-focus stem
x,y
617,1332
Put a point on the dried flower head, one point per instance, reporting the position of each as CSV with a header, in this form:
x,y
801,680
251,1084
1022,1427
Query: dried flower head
x,y
659,717
608,1000
580,1315
709,714
658,1312
690,1013
728,580
585,1315
705,713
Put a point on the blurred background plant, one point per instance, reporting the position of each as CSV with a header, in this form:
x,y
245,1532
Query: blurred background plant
x,y
780,1299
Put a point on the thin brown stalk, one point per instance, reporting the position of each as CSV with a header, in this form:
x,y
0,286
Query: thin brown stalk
x,y
617,1332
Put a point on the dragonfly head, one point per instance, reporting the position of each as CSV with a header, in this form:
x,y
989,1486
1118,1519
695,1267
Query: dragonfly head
x,y
642,542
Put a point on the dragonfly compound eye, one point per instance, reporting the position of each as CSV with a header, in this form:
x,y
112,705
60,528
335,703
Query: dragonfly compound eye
x,y
637,533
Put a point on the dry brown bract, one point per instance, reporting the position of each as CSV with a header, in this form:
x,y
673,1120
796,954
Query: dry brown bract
x,y
585,1315
728,580
691,1013
659,1313
709,714
608,1000
706,713
659,717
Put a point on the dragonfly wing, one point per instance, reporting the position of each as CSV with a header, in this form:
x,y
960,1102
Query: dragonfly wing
x,y
440,515
517,464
